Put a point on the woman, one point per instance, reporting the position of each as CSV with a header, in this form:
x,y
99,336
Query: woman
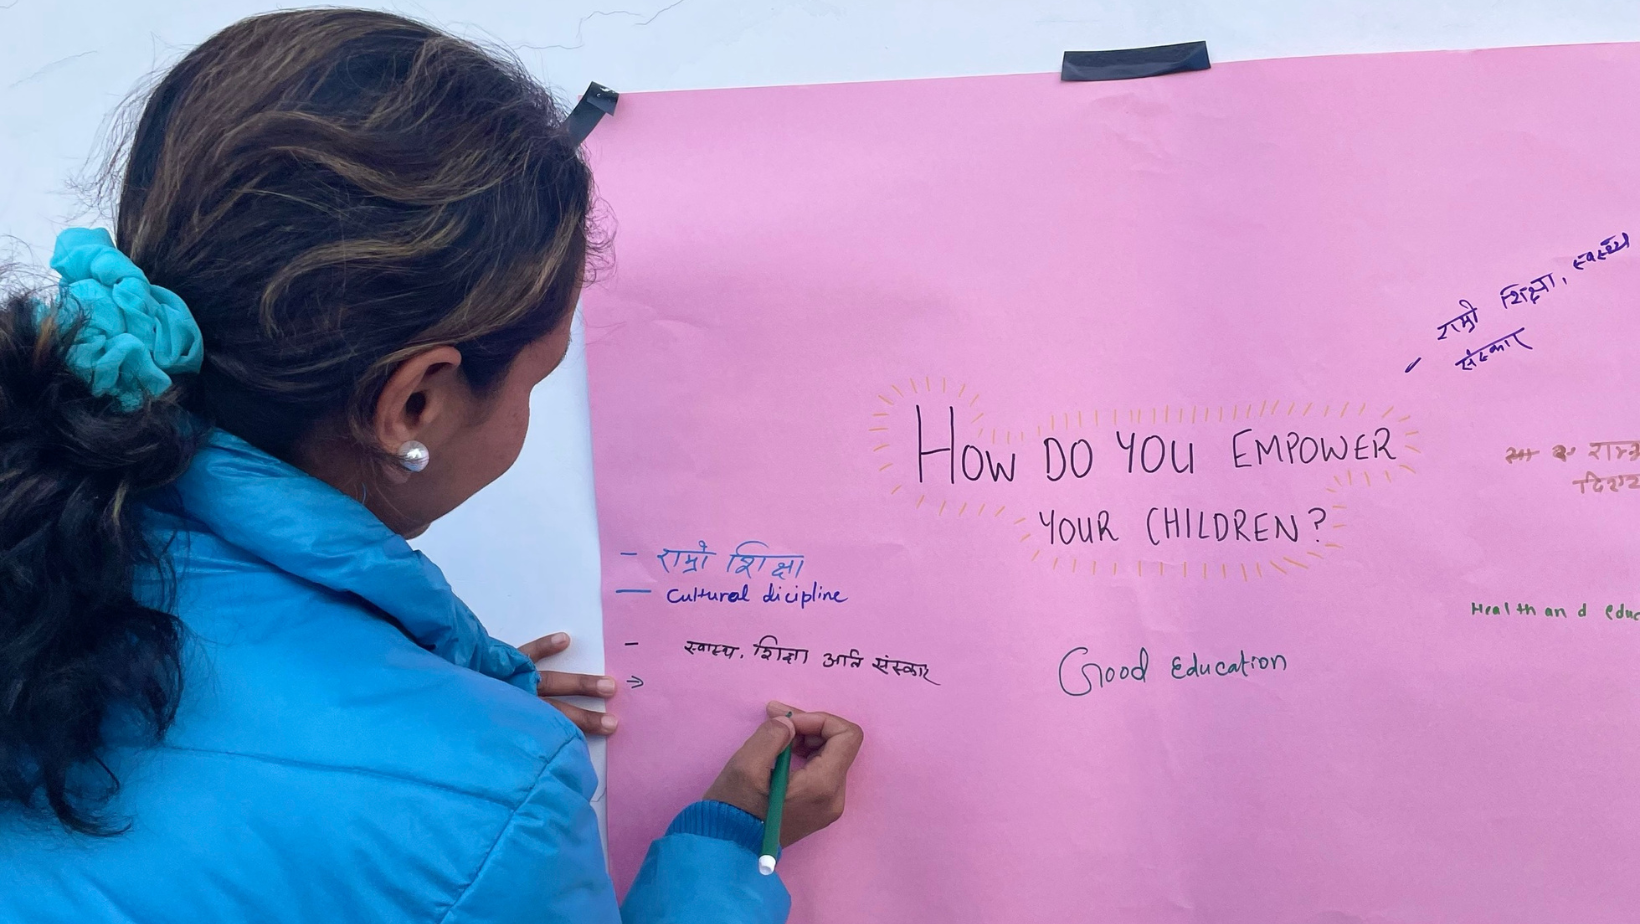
x,y
347,247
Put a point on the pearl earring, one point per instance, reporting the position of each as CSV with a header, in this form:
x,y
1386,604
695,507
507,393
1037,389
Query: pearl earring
x,y
414,456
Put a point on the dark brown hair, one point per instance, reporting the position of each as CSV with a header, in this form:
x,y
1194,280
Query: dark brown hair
x,y
330,191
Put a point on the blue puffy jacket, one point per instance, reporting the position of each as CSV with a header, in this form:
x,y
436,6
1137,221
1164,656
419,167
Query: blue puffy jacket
x,y
351,746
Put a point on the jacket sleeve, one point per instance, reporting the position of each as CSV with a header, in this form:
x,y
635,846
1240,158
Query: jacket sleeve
x,y
704,871
547,865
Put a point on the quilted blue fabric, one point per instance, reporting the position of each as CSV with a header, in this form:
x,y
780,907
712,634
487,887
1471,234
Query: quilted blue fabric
x,y
351,745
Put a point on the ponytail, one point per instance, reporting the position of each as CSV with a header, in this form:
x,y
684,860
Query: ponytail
x,y
75,643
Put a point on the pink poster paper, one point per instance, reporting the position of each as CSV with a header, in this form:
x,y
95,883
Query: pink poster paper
x,y
1215,495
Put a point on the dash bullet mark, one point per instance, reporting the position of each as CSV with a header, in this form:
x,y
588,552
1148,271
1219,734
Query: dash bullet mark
x,y
632,590
630,554
1415,362
630,644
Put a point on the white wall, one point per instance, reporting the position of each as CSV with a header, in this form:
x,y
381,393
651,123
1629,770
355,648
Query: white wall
x,y
523,553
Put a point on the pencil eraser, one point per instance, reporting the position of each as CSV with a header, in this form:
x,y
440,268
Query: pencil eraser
x,y
765,865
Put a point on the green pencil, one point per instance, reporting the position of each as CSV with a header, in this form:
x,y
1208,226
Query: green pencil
x,y
777,805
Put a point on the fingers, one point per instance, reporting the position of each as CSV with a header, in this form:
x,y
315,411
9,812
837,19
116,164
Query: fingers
x,y
840,740
546,646
592,723
757,755
822,725
559,683
744,782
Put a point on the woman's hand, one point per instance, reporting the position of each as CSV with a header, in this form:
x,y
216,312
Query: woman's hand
x,y
558,683
814,796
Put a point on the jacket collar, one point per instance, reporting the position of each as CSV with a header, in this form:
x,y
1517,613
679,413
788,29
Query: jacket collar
x,y
306,528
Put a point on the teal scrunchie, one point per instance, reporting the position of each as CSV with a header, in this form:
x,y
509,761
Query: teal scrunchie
x,y
135,335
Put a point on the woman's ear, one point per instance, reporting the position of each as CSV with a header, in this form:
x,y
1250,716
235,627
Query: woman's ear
x,y
422,400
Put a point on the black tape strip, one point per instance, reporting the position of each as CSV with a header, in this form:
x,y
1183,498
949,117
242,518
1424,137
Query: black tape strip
x,y
1128,63
597,102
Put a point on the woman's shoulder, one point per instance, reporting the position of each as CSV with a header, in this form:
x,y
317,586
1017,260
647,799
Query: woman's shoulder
x,y
282,669
322,765
347,779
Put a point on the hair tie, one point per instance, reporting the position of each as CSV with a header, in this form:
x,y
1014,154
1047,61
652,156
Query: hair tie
x,y
133,336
